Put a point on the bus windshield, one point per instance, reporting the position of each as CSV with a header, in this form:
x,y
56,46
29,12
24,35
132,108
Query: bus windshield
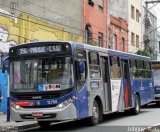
x,y
46,74
156,76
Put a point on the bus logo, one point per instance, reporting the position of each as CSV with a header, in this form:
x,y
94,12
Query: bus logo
x,y
36,97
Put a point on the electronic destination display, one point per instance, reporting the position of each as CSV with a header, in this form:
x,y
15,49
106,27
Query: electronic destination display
x,y
39,49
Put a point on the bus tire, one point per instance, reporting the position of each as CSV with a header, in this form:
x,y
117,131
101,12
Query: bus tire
x,y
94,119
44,124
137,106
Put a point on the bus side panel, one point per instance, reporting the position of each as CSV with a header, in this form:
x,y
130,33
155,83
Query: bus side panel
x,y
137,87
83,103
127,95
149,90
116,91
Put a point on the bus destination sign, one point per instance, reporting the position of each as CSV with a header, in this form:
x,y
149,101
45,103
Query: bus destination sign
x,y
155,65
42,49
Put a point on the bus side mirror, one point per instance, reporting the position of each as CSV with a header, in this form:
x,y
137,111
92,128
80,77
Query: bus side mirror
x,y
3,68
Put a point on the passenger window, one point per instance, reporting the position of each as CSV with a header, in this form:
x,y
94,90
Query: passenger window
x,y
115,67
94,65
80,58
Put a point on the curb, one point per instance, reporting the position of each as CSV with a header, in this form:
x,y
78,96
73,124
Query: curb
x,y
23,127
155,128
17,127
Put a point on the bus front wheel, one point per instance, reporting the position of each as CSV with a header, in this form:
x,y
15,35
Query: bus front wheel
x,y
95,114
137,106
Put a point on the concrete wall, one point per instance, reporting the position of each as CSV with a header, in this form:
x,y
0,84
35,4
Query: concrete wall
x,y
65,12
119,8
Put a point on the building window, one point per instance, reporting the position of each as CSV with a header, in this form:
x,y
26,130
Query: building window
x,y
123,44
100,39
100,4
114,41
137,41
88,32
132,38
137,15
91,2
132,12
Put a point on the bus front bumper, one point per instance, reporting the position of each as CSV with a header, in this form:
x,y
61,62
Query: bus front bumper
x,y
44,114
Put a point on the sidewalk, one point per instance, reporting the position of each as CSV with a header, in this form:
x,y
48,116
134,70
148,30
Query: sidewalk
x,y
14,126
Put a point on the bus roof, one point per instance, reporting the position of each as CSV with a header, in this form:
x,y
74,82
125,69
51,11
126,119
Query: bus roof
x,y
155,61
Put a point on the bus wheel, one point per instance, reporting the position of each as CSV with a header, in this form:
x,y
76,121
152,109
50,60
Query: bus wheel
x,y
136,109
44,124
95,114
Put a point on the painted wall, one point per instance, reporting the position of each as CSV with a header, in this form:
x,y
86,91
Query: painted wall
x,y
135,26
97,19
27,28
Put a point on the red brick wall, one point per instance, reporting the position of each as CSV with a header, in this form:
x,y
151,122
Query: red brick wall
x,y
97,19
121,31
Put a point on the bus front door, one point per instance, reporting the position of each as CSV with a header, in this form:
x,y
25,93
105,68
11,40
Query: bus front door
x,y
106,84
126,84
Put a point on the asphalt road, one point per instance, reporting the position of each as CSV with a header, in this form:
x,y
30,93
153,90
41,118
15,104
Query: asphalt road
x,y
117,122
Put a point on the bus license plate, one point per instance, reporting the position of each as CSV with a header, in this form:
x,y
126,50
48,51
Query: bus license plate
x,y
37,114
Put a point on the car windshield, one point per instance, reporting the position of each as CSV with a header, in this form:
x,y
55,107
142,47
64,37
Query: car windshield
x,y
156,76
42,74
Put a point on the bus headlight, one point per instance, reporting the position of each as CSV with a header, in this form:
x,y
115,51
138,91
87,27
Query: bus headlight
x,y
15,106
61,105
65,103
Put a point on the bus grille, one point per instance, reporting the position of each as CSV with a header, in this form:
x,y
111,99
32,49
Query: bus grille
x,y
47,106
35,97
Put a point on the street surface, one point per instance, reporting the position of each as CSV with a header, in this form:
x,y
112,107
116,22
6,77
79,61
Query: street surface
x,y
117,122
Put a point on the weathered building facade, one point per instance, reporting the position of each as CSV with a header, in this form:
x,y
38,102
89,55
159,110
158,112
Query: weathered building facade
x,y
118,34
95,22
130,11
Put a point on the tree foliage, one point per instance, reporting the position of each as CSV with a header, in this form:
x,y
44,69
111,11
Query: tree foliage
x,y
143,52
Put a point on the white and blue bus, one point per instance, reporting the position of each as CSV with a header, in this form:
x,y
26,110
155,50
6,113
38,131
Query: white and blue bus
x,y
62,81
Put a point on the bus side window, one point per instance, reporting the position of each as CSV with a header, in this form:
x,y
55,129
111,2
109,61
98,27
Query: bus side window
x,y
115,67
133,69
141,69
80,68
148,70
94,65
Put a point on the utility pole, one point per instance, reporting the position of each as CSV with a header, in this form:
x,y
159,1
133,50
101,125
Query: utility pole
x,y
147,24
